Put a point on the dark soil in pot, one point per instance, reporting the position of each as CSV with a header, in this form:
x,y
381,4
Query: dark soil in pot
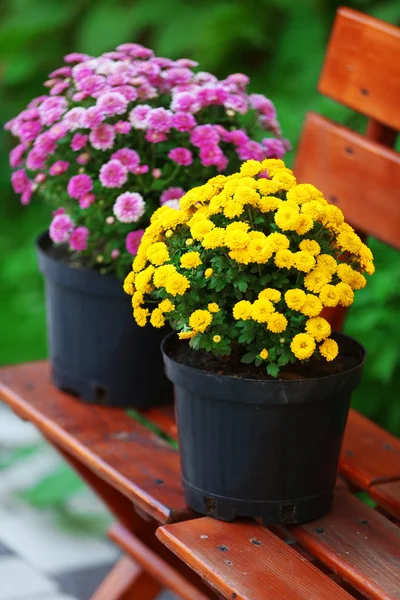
x,y
263,448
97,352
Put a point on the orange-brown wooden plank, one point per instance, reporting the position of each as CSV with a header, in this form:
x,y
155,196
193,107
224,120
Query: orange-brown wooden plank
x,y
359,544
360,176
362,66
164,418
370,455
116,447
246,561
387,495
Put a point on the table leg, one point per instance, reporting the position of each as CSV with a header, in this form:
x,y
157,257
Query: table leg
x,y
127,581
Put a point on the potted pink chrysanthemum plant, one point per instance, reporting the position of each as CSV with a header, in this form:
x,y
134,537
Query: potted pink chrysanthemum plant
x,y
116,137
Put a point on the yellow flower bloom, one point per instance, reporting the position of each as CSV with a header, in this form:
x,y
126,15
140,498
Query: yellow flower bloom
x,y
246,195
189,242
171,217
208,273
304,192
157,253
190,260
260,250
349,241
270,294
365,254
303,261
264,354
169,233
355,280
269,203
369,268
329,349
217,339
329,295
233,209
295,299
278,241
242,310
302,346
157,318
139,262
200,229
313,209
214,239
236,239
287,217
346,294
327,263
177,284
333,216
143,278
319,328
140,315
285,179
272,165
277,323
310,246
161,274
240,256
250,168
312,306
238,225
199,320
166,306
284,259
186,335
304,224
137,299
316,279
261,310
213,307
129,287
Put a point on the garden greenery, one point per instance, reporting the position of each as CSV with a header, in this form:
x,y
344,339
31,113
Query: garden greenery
x,y
250,261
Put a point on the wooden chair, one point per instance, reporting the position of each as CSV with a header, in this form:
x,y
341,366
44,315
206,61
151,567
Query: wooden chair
x,y
354,551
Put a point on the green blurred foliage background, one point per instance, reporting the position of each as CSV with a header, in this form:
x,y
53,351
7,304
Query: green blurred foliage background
x,y
279,43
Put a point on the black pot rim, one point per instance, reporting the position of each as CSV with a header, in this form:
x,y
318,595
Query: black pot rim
x,y
187,369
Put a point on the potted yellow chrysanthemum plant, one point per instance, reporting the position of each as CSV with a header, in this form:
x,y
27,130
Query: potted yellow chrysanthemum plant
x,y
242,272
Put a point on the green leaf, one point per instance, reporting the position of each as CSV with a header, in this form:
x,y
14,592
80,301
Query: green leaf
x,y
273,369
242,285
248,358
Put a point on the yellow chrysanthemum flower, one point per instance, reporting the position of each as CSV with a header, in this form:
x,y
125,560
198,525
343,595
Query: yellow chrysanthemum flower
x,y
316,279
327,263
272,165
312,306
217,339
264,354
277,323
161,275
261,310
250,168
140,316
278,241
186,335
354,279
233,209
166,306
346,294
287,217
177,284
213,307
199,320
214,239
189,242
302,346
137,299
304,224
295,299
267,186
329,349
129,281
269,203
329,295
190,260
313,209
242,310
236,239
201,228
143,278
304,192
270,294
284,259
169,234
285,179
208,273
157,318
246,195
319,328
157,254
139,263
349,242
238,225
259,250
333,216
303,261
310,246
240,256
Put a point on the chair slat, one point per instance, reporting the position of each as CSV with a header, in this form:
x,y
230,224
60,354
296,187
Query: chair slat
x,y
246,561
362,67
387,495
370,455
359,544
360,176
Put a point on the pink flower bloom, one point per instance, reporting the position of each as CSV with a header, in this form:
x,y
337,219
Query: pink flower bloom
x,y
212,95
29,130
239,137
204,77
181,156
58,211
132,241
223,133
263,105
112,103
59,167
73,119
79,96
222,163
59,87
61,72
45,143
81,71
211,155
238,79
19,181
127,91
102,137
129,158
113,174
16,155
61,228
129,207
155,137
146,91
114,253
79,185
35,160
93,117
183,121
78,239
52,109
28,114
251,151
238,103
138,116
40,178
159,119
93,84
110,220
76,57
186,62
185,102
178,75
274,148
204,135
83,158
27,194
86,200
79,141
141,170
270,125
136,50
172,193
156,173
122,127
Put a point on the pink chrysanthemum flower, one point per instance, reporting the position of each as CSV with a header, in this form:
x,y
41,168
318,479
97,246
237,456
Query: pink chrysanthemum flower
x,y
76,57
211,155
185,102
155,137
29,130
263,105
59,167
132,241
16,156
58,131
129,158
40,178
172,193
93,117
274,148
59,87
138,116
127,91
102,137
78,239
79,185
58,211
52,109
19,181
141,169
35,160
239,137
251,151
181,156
86,200
183,121
122,127
159,119
156,173
27,194
79,141
112,103
61,228
73,119
129,207
204,135
113,174
237,103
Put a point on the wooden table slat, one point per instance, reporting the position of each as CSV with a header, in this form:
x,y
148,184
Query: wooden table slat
x,y
387,495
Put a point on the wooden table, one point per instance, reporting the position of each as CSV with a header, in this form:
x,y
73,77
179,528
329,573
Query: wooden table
x,y
354,552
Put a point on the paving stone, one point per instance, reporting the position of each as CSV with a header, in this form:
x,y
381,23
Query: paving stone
x,y
19,580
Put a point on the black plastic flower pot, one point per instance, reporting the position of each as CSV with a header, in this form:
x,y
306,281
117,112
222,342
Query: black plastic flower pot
x,y
266,449
97,351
